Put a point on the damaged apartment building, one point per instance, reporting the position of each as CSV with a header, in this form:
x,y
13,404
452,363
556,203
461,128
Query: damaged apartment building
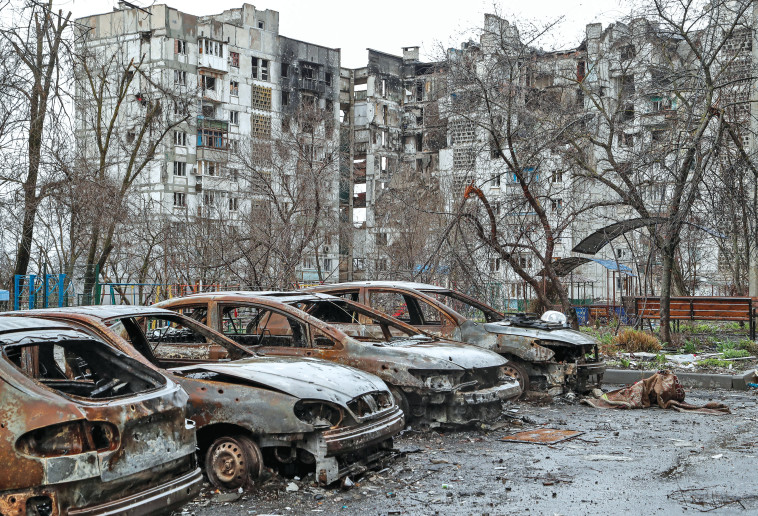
x,y
236,85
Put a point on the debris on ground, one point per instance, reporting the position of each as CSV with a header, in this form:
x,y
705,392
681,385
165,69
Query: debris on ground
x,y
542,436
663,389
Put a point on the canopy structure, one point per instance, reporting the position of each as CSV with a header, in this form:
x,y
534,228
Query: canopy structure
x,y
564,266
597,240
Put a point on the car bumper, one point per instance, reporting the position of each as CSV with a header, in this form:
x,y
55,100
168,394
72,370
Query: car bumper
x,y
345,440
159,499
497,393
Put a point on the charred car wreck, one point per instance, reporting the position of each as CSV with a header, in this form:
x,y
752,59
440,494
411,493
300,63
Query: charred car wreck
x,y
435,381
85,429
291,413
542,355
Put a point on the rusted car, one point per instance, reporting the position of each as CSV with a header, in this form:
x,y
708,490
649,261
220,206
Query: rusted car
x,y
435,381
85,429
296,414
542,355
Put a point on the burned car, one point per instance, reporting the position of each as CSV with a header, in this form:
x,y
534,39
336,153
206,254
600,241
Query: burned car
x,y
435,381
86,429
542,355
297,414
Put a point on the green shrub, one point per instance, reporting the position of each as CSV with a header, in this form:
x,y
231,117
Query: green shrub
x,y
749,345
634,340
689,347
736,353
715,362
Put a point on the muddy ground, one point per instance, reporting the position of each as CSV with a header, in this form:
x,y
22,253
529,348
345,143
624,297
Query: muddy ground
x,y
644,461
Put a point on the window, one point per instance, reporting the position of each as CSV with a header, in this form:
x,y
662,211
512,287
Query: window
x,y
381,239
495,181
180,78
627,52
328,264
180,46
260,65
234,117
285,70
233,203
234,88
285,98
556,204
209,83
130,136
309,71
180,168
211,138
234,57
328,78
180,199
210,47
494,264
181,109
557,176
261,97
208,168
262,25
180,138
209,198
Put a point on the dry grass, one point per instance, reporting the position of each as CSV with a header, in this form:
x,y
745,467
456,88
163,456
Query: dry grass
x,y
634,341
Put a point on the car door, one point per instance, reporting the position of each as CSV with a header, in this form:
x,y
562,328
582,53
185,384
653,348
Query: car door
x,y
265,330
412,309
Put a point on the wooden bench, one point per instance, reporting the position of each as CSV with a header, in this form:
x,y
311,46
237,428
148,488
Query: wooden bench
x,y
739,309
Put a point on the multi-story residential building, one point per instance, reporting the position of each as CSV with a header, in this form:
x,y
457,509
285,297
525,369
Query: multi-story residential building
x,y
237,83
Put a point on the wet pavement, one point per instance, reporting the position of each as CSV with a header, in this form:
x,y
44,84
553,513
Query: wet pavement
x,y
642,461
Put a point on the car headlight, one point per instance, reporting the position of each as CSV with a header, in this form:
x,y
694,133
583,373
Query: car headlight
x,y
319,414
435,381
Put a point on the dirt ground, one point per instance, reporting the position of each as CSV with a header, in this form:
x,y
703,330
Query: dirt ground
x,y
644,461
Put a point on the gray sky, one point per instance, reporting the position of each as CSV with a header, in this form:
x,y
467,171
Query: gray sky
x,y
388,25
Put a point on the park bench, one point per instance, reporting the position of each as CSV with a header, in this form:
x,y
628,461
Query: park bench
x,y
739,309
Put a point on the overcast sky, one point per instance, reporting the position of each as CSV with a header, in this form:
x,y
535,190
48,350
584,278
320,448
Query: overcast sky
x,y
389,25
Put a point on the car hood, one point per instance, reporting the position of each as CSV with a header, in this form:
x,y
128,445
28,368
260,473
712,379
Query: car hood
x,y
428,353
563,335
304,378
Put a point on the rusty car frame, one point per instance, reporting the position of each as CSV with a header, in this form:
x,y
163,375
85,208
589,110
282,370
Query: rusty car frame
x,y
436,382
542,356
85,429
299,414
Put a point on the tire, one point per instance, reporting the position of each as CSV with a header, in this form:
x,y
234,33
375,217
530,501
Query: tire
x,y
233,461
402,401
515,369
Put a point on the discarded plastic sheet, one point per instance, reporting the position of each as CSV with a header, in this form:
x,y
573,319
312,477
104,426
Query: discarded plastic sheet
x,y
542,436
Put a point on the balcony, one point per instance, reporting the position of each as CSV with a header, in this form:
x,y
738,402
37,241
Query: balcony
x,y
311,85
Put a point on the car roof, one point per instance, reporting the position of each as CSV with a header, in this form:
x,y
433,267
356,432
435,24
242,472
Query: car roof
x,y
281,296
386,283
23,324
104,311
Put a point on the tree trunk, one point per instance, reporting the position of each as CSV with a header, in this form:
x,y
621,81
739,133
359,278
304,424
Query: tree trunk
x,y
668,264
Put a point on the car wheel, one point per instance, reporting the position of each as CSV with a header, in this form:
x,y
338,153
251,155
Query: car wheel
x,y
516,370
401,401
233,461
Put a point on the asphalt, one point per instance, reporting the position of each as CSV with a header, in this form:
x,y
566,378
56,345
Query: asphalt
x,y
650,461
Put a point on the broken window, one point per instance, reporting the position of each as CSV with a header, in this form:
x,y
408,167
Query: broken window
x,y
180,199
264,69
208,168
233,203
580,70
209,83
556,204
419,91
83,367
261,97
209,198
628,113
658,135
255,68
627,52
208,110
285,70
253,326
419,142
234,117
180,138
180,78
381,239
130,136
557,176
328,78
261,25
234,58
210,47
308,71
285,98
234,88
495,181
180,46
180,168
384,87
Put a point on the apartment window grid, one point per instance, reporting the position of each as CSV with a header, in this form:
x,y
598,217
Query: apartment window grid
x,y
261,98
464,158
261,125
463,132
